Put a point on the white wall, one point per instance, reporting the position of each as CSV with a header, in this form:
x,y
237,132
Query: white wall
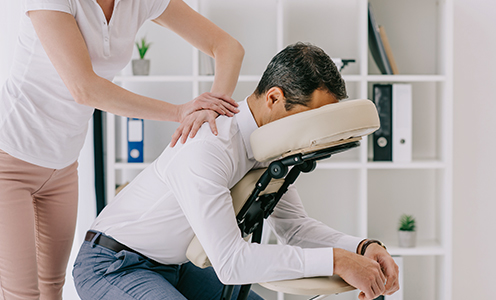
x,y
474,149
474,144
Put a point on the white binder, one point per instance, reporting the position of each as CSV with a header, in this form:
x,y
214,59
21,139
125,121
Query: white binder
x,y
402,123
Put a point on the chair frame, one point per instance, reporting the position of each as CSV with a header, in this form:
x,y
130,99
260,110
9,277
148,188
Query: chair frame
x,y
259,207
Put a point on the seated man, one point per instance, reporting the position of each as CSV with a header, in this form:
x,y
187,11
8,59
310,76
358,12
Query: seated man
x,y
136,248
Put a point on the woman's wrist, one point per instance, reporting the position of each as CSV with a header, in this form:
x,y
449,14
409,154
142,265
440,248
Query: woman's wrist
x,y
178,115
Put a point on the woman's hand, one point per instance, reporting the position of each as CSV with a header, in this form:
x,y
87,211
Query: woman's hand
x,y
219,103
204,108
192,123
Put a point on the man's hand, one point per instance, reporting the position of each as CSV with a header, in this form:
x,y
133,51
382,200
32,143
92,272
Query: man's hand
x,y
388,266
361,272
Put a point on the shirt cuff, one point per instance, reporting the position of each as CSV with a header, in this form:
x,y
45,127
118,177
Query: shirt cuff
x,y
318,262
349,243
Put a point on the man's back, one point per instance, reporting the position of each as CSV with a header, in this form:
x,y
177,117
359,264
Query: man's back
x,y
147,215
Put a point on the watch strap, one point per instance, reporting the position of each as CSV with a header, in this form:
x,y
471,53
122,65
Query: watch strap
x,y
368,243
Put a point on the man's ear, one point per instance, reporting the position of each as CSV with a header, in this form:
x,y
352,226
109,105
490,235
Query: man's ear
x,y
274,96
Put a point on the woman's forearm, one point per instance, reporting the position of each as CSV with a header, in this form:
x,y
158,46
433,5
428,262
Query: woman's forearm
x,y
64,44
107,96
228,60
208,38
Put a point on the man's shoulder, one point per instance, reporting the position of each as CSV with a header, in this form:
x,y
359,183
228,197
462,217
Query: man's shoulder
x,y
227,130
205,143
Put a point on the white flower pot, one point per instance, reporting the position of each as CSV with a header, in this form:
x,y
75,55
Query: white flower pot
x,y
407,239
141,66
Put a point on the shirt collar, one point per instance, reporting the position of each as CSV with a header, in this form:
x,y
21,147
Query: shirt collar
x,y
246,124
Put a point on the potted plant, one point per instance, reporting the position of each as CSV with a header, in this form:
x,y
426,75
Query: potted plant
x,y
142,66
406,231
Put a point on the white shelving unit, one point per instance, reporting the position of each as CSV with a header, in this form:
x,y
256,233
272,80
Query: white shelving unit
x,y
348,192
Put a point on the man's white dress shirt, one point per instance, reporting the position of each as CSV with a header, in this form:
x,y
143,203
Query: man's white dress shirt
x,y
186,192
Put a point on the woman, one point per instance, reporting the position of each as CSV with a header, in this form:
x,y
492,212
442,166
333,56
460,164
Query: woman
x,y
68,53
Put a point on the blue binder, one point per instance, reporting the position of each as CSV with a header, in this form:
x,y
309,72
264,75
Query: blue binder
x,y
135,133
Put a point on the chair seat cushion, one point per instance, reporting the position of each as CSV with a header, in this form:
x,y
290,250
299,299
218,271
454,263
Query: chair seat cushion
x,y
312,128
324,285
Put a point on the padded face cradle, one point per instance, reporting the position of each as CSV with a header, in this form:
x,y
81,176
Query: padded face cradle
x,y
309,129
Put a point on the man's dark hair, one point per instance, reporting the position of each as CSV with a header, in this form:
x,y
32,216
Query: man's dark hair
x,y
299,70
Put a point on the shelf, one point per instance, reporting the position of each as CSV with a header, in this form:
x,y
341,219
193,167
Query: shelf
x,y
205,78
421,164
256,78
165,78
338,165
130,166
406,78
352,78
329,165
153,78
242,78
423,248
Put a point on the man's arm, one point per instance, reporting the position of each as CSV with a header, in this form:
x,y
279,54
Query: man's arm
x,y
379,254
198,176
367,273
293,226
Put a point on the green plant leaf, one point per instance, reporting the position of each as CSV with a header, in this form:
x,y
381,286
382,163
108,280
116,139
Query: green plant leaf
x,y
407,223
143,47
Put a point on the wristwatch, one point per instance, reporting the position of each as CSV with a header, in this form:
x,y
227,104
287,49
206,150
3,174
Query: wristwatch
x,y
367,243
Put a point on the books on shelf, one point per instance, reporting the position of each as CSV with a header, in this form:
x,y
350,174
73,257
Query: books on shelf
x,y
393,140
389,52
379,46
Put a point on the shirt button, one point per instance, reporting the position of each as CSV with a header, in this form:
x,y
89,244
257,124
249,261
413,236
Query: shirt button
x,y
106,39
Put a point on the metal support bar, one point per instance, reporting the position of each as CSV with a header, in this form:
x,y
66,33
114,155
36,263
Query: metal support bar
x,y
227,292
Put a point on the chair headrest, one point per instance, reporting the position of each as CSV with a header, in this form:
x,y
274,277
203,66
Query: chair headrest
x,y
313,128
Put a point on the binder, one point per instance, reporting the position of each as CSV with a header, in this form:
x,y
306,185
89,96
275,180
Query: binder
x,y
402,123
393,140
135,132
383,146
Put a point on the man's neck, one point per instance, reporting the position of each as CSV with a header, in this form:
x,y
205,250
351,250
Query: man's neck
x,y
254,105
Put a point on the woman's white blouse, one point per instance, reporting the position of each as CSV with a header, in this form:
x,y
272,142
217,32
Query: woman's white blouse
x,y
39,120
